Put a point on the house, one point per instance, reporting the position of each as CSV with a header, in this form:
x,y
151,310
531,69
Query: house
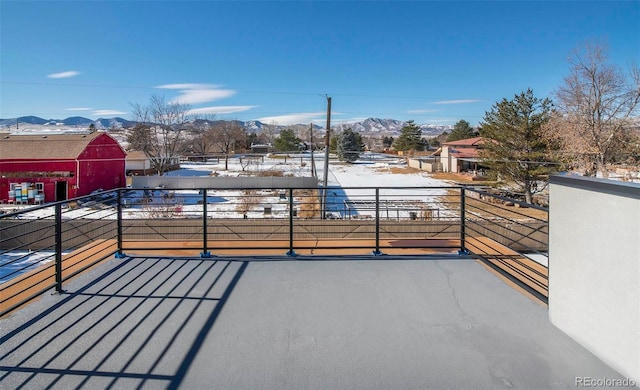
x,y
261,148
138,163
462,155
44,168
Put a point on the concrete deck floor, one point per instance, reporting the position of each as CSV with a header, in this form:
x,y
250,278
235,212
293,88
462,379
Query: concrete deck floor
x,y
279,323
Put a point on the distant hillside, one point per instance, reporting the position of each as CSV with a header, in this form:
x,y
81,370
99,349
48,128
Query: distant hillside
x,y
34,120
73,122
76,121
368,126
392,126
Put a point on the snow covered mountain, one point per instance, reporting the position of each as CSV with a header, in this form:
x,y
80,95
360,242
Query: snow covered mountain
x,y
74,122
371,126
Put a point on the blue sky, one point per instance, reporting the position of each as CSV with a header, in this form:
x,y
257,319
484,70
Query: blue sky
x,y
430,61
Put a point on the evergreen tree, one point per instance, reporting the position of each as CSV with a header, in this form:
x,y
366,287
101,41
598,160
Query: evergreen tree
x,y
287,141
515,147
349,146
410,138
461,130
333,142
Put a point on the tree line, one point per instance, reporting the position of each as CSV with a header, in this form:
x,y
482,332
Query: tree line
x,y
591,123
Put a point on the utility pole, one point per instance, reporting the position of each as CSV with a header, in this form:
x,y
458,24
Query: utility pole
x,y
326,159
313,162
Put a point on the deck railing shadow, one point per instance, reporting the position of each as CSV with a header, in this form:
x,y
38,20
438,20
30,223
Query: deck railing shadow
x,y
119,329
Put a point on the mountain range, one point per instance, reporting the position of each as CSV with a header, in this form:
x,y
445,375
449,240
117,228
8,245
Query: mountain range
x,y
73,121
369,125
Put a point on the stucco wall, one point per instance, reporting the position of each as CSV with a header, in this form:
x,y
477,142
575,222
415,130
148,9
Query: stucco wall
x,y
424,165
594,267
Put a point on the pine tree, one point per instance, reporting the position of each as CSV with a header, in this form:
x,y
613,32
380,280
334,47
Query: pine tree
x,y
349,146
461,130
410,138
287,141
515,146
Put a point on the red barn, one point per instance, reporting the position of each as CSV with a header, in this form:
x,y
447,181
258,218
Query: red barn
x,y
46,168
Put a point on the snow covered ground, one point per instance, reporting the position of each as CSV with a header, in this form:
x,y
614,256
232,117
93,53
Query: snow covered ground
x,y
345,182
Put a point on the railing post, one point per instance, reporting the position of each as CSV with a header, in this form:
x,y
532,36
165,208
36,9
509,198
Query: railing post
x,y
291,252
58,235
119,253
205,235
377,251
463,247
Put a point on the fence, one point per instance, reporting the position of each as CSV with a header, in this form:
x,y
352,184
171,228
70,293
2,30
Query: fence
x,y
43,246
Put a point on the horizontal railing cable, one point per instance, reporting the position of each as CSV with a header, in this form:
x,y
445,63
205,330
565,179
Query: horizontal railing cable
x,y
79,233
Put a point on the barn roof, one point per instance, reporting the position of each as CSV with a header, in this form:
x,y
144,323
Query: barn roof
x,y
40,147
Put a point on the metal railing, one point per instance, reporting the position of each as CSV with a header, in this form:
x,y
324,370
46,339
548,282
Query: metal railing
x,y
290,219
43,246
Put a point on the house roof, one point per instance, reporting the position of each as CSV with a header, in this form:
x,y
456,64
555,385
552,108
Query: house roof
x,y
45,147
136,155
465,153
476,141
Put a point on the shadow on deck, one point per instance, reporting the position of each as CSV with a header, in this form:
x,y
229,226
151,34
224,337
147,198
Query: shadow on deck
x,y
437,321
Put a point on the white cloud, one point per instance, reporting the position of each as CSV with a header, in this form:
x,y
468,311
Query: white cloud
x,y
293,119
191,93
458,101
80,109
219,110
108,112
63,75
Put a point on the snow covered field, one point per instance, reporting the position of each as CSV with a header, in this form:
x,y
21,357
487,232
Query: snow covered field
x,y
353,182
345,182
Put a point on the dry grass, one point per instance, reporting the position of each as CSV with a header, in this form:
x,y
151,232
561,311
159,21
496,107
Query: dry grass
x,y
249,200
488,208
270,173
309,203
492,207
399,170
452,177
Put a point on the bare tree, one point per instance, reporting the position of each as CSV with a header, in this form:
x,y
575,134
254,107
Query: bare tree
x,y
304,133
227,134
596,105
158,133
203,137
270,132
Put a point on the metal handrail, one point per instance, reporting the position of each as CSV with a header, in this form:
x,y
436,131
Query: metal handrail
x,y
114,222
